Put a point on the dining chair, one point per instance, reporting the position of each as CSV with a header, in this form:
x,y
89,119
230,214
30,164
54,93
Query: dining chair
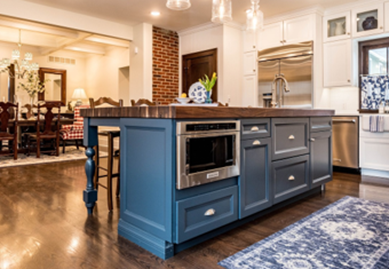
x,y
143,101
48,133
111,135
9,128
73,132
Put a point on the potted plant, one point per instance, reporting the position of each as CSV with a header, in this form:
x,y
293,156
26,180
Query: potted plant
x,y
208,85
33,85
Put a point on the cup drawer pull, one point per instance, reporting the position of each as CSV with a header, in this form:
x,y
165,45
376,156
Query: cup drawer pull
x,y
291,178
291,137
254,129
210,212
257,142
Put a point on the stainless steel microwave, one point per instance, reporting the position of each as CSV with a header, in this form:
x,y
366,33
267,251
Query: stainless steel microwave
x,y
207,152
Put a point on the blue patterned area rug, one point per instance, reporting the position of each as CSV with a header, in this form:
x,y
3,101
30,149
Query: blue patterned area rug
x,y
351,233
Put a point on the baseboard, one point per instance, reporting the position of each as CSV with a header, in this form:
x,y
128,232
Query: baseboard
x,y
375,173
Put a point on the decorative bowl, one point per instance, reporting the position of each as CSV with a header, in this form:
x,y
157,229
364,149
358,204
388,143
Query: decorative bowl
x,y
184,100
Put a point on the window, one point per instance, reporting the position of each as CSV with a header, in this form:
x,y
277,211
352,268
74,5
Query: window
x,y
373,63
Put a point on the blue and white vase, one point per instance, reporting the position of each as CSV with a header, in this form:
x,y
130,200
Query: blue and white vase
x,y
208,100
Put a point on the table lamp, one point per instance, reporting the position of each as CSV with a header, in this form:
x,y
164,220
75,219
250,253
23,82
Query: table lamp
x,y
79,94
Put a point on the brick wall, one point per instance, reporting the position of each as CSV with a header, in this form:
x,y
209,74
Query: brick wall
x,y
165,66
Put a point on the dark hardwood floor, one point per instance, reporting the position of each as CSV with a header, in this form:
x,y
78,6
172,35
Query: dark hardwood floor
x,y
44,224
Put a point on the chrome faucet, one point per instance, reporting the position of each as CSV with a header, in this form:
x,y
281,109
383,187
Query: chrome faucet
x,y
278,99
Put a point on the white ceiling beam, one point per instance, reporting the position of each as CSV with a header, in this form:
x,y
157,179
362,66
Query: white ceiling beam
x,y
40,28
109,41
86,48
65,43
10,35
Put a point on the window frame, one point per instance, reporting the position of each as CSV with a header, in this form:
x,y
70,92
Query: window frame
x,y
363,58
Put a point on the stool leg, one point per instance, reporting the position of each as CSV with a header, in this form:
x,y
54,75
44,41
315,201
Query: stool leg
x,y
109,171
118,178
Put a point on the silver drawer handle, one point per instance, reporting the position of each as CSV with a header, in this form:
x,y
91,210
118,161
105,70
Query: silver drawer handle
x,y
313,139
255,129
257,142
210,212
337,160
291,178
291,137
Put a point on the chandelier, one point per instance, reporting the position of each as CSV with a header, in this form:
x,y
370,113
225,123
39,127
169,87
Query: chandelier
x,y
221,11
21,67
178,4
254,17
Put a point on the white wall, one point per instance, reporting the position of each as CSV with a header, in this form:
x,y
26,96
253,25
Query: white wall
x,y
232,67
204,37
345,100
141,69
102,73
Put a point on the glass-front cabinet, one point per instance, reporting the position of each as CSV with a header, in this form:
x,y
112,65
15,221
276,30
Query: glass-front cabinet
x,y
368,20
337,26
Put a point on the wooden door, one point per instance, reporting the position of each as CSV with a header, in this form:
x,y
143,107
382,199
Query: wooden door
x,y
195,66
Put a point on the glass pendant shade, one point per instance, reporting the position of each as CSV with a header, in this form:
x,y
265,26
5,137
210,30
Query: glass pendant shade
x,y
254,19
178,4
221,11
15,54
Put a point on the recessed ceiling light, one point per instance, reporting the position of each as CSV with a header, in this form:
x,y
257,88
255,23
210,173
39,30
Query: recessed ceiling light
x,y
155,13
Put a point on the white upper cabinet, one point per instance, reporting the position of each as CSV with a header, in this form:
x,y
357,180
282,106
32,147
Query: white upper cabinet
x,y
368,20
386,7
250,41
250,63
337,27
271,36
337,63
298,29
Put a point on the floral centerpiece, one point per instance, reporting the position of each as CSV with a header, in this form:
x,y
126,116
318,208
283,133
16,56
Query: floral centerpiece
x,y
33,85
208,85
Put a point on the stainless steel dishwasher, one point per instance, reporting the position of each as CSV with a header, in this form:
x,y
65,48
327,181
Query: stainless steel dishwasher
x,y
345,141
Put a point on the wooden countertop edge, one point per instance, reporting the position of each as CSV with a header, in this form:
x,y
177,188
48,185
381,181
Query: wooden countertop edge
x,y
182,112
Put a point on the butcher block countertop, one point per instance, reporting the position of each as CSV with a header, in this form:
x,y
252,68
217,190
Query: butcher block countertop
x,y
201,112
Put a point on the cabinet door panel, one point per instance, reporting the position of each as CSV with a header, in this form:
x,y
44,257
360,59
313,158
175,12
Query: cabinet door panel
x,y
250,40
298,29
290,177
271,36
255,187
337,63
290,137
250,63
250,91
321,158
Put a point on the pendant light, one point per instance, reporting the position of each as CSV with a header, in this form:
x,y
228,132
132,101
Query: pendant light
x,y
221,11
254,20
178,4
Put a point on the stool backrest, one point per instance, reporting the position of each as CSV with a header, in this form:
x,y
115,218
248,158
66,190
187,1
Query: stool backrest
x,y
104,100
143,101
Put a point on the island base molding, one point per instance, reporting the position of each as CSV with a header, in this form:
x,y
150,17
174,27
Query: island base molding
x,y
166,250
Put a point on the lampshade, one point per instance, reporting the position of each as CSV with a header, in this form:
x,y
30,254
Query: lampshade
x,y
178,4
79,94
221,11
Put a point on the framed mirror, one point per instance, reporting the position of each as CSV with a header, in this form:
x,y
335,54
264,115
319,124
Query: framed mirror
x,y
55,88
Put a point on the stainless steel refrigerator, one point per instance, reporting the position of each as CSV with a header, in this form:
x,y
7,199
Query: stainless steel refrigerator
x,y
292,62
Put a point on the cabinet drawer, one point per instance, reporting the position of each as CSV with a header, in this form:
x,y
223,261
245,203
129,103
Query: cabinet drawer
x,y
290,137
290,177
254,128
320,124
203,213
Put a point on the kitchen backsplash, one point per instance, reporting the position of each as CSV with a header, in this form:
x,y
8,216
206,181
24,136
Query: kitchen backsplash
x,y
344,100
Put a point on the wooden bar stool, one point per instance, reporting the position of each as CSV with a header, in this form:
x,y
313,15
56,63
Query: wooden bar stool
x,y
110,134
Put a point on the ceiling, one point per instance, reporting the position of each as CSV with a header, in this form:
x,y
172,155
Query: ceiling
x,y
50,39
132,12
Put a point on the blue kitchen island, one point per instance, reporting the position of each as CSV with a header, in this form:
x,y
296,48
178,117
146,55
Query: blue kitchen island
x,y
189,173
